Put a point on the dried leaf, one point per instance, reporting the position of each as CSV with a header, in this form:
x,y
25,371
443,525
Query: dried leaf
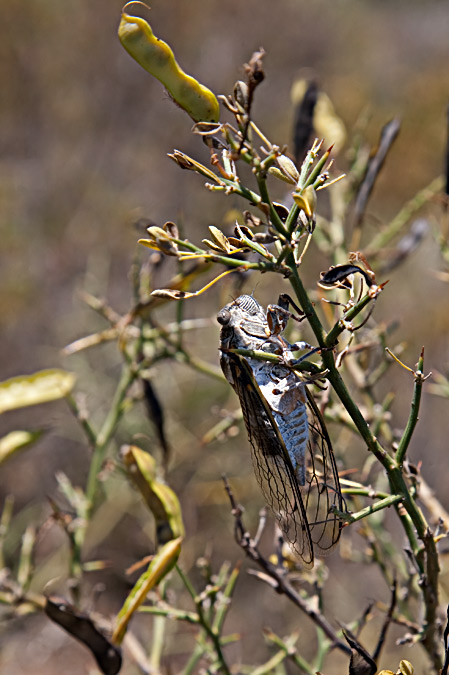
x,y
251,220
206,128
156,233
186,162
171,294
171,229
210,245
281,210
219,238
241,95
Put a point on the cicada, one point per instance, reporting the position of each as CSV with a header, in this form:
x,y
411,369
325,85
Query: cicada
x,y
292,453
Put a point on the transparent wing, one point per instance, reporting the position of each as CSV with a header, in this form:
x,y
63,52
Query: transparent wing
x,y
272,464
321,492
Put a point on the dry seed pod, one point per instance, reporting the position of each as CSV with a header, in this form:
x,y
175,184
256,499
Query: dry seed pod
x,y
288,168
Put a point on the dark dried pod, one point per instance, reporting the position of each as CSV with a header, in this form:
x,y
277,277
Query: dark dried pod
x,y
281,210
254,68
338,275
241,95
171,229
81,626
361,662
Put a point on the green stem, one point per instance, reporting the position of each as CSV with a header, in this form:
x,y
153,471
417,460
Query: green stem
x,y
208,629
405,214
82,419
129,374
239,189
368,510
287,646
414,411
428,560
304,301
225,602
271,665
313,175
274,216
292,218
338,328
172,612
196,656
199,365
159,626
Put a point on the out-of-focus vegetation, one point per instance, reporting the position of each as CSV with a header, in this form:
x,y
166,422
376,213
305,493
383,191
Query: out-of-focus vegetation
x,y
83,170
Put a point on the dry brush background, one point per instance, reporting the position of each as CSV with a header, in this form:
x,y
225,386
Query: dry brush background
x,y
85,133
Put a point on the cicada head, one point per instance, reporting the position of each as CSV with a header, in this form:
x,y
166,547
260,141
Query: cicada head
x,y
243,306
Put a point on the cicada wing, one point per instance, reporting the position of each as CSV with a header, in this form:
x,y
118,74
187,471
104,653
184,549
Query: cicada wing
x,y
271,462
322,491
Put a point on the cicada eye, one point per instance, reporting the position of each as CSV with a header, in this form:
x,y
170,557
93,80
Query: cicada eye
x,y
224,317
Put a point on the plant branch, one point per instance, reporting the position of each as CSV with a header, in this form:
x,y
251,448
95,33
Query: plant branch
x,y
277,577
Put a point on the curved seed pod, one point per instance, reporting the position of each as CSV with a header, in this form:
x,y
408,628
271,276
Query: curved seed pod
x,y
160,498
157,58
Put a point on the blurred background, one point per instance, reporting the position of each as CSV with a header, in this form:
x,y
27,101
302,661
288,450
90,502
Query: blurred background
x,y
84,143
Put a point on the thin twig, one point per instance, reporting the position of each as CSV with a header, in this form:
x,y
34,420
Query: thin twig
x,y
387,622
277,578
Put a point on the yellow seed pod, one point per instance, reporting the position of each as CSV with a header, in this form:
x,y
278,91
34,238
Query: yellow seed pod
x,y
157,58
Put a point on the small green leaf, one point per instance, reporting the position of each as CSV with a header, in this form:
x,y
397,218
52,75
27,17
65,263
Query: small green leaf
x,y
40,387
17,440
